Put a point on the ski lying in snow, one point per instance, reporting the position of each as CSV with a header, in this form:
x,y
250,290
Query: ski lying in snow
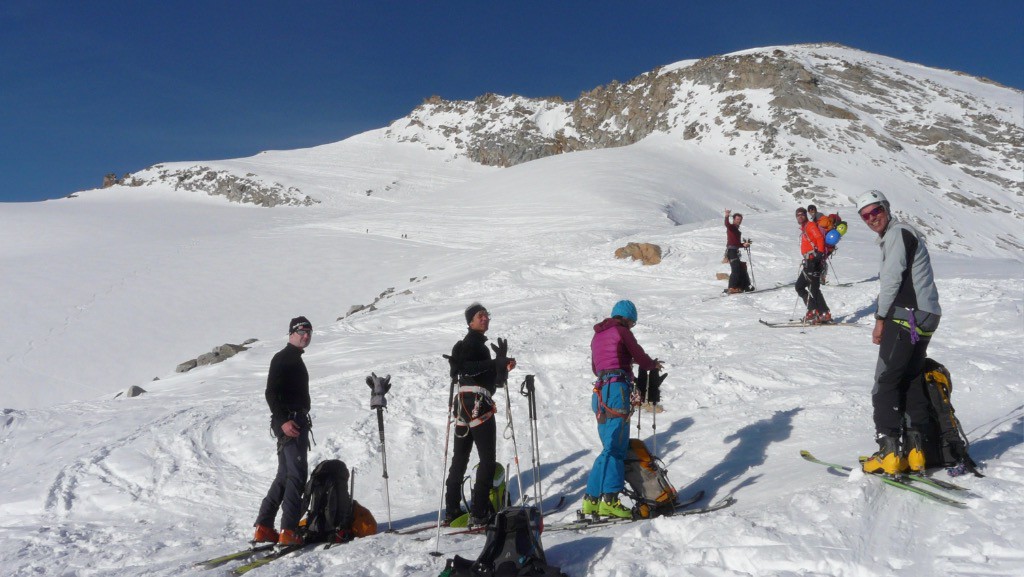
x,y
801,324
476,529
276,554
244,553
937,483
584,523
471,530
905,482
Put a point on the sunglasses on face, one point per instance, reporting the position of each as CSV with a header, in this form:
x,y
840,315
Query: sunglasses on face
x,y
303,332
872,213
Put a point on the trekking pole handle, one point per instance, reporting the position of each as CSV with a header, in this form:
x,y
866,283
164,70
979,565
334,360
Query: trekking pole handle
x,y
527,390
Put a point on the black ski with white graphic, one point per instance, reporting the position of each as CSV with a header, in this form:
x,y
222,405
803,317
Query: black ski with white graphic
x,y
243,554
905,483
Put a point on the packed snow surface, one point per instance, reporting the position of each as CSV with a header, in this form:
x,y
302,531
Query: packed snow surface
x,y
115,287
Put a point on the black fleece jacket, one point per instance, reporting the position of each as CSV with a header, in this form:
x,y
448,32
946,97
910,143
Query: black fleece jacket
x,y
288,389
477,367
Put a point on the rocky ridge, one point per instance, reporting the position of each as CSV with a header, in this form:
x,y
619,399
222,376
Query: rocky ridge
x,y
825,98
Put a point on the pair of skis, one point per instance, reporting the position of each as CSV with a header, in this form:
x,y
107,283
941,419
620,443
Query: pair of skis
x,y
470,530
802,324
681,509
275,553
911,482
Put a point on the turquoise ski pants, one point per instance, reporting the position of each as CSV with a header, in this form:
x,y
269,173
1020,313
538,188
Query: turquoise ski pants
x,y
609,472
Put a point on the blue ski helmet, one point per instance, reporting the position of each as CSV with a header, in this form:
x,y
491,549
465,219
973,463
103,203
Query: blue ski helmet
x,y
624,309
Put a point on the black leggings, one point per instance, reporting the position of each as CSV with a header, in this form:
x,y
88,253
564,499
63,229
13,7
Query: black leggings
x,y
484,437
810,276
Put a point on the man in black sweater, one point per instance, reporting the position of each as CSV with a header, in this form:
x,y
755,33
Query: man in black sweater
x,y
288,397
478,378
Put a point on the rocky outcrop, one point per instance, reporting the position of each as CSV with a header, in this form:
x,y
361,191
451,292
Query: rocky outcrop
x,y
644,252
832,98
388,293
217,355
248,189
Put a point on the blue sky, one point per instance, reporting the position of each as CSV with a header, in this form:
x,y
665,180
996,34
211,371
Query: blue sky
x,y
88,88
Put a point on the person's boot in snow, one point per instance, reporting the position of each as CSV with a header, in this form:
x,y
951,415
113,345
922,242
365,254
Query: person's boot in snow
x,y
612,507
915,454
265,534
591,505
887,460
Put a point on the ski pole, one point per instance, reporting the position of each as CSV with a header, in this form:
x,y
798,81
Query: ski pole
x,y
515,448
447,436
378,389
832,266
750,259
527,389
384,462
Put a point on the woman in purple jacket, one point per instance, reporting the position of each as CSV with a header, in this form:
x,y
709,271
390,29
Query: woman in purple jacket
x,y
614,350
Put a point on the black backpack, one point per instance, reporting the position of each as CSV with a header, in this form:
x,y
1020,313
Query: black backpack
x,y
945,443
513,549
327,502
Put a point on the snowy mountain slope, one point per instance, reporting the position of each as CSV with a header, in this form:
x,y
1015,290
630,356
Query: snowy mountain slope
x,y
150,484
116,286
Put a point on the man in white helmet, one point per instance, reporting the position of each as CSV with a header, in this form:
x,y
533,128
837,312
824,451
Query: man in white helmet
x,y
908,313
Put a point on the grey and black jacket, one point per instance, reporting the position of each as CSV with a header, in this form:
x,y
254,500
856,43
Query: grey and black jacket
x,y
906,278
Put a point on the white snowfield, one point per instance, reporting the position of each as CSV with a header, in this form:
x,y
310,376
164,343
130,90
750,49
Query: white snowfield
x,y
115,287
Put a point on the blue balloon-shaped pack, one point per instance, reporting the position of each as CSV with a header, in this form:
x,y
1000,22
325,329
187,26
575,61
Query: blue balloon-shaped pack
x,y
832,237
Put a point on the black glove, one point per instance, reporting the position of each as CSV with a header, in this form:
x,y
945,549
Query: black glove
x,y
500,361
654,380
379,387
641,383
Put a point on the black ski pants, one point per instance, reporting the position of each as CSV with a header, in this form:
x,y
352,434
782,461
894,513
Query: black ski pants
x,y
285,492
484,437
808,285
738,277
897,391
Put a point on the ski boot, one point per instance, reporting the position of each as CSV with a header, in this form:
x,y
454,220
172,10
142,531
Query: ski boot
x,y
915,454
611,507
289,537
887,460
450,518
265,534
481,521
811,317
823,318
590,506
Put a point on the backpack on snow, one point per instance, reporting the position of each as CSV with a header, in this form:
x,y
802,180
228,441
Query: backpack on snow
x,y
651,491
327,502
513,549
945,443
